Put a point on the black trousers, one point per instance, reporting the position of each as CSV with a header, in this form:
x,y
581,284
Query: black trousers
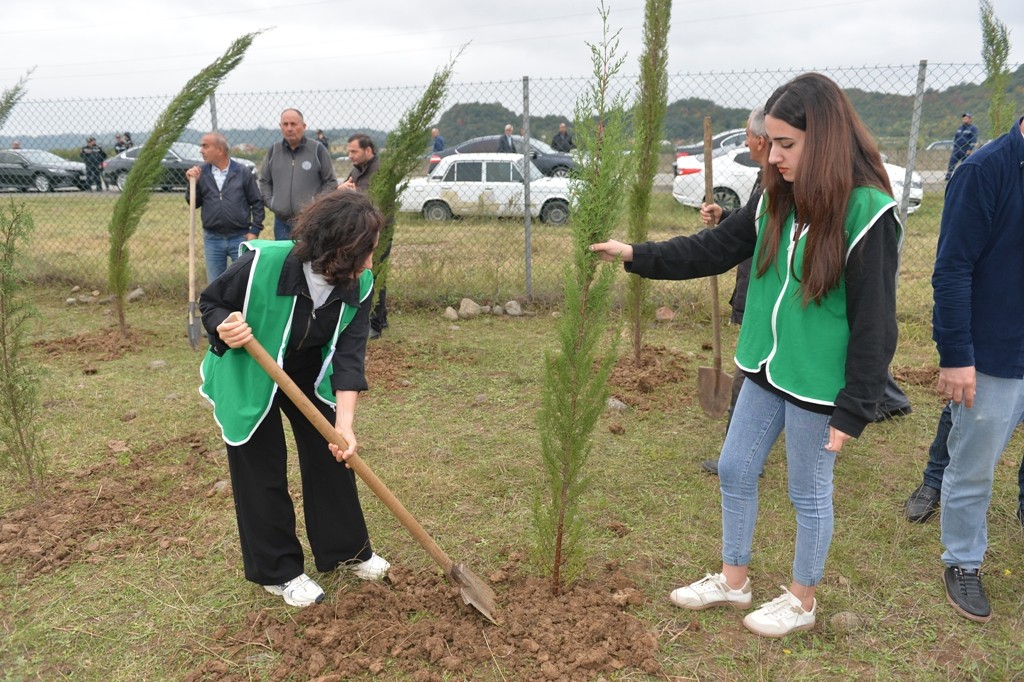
x,y
271,553
379,316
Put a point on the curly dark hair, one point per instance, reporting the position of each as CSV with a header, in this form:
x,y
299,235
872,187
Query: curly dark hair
x,y
336,233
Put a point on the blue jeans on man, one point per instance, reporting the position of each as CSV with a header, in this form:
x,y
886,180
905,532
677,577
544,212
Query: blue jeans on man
x,y
218,250
282,229
758,421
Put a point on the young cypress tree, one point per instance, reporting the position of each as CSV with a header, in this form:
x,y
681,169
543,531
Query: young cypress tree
x,y
135,197
995,51
577,373
403,153
648,120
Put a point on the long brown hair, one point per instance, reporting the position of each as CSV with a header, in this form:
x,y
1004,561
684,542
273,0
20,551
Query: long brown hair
x,y
838,155
336,233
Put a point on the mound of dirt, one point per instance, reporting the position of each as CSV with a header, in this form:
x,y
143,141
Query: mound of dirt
x,y
417,624
639,386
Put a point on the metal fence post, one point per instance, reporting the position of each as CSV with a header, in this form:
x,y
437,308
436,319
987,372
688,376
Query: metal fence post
x,y
915,130
527,162
213,111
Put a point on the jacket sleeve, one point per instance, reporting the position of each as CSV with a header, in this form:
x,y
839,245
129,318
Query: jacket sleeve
x,y
349,361
254,198
223,296
711,251
328,181
871,313
266,180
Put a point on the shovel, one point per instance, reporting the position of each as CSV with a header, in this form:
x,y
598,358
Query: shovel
x,y
713,385
474,591
194,331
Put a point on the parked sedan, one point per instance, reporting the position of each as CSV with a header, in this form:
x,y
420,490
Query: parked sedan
x,y
485,185
720,143
179,158
735,174
39,169
548,161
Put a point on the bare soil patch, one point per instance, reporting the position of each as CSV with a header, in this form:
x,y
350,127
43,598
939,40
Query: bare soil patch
x,y
102,344
643,387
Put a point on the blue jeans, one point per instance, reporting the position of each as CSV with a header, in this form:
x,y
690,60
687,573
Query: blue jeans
x,y
938,456
758,420
219,249
282,229
977,439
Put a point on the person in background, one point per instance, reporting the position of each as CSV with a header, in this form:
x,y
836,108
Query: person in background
x,y
15,144
363,155
506,145
978,328
294,171
322,139
128,139
562,141
438,141
815,348
320,284
231,202
119,144
964,139
93,155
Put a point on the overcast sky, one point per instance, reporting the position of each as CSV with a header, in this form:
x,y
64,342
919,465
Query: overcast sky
x,y
120,48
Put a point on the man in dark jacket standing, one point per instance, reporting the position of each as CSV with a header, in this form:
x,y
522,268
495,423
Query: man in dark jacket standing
x,y
964,139
93,155
231,201
294,171
562,141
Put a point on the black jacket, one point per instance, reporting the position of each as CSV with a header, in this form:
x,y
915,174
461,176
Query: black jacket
x,y
311,329
236,207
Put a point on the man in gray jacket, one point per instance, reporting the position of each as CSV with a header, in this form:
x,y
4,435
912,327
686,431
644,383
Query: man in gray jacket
x,y
294,171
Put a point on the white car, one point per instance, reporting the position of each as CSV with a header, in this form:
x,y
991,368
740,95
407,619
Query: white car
x,y
485,185
735,173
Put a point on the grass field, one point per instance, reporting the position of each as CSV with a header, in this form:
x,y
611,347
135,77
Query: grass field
x,y
136,573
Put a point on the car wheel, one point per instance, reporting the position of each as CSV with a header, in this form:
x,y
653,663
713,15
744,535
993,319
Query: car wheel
x,y
559,172
555,212
42,183
726,198
437,211
121,179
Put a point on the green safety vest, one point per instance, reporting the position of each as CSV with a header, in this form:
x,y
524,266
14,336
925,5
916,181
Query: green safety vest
x,y
802,348
240,391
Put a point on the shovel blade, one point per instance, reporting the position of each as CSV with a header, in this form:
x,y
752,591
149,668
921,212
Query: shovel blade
x,y
474,591
715,390
194,331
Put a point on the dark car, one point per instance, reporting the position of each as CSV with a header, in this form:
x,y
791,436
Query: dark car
x,y
179,158
549,162
39,169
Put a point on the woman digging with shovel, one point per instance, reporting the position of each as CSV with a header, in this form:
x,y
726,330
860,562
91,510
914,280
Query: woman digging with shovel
x,y
818,332
308,303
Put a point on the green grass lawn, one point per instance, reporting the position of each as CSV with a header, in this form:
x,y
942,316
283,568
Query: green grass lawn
x,y
450,426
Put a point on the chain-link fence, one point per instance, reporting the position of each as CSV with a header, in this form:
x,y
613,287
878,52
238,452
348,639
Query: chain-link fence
x,y
462,231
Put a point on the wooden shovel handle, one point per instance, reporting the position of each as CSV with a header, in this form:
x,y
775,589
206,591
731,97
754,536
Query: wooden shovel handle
x,y
191,239
364,472
709,198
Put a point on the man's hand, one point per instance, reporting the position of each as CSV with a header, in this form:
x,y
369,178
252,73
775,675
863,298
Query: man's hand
x,y
348,184
193,172
958,384
710,214
612,251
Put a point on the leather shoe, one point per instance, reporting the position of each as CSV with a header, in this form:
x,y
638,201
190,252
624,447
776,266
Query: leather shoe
x,y
374,334
965,592
921,504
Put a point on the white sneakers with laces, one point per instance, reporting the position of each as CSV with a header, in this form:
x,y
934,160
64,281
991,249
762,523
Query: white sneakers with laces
x,y
712,590
780,616
299,591
374,568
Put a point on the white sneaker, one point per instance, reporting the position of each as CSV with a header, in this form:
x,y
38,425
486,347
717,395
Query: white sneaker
x,y
300,591
374,568
780,616
712,590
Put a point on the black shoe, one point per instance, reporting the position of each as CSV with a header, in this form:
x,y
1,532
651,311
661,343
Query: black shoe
x,y
374,334
965,593
710,466
921,504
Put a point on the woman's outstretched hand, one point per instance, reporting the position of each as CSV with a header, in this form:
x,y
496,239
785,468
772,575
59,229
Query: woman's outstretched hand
x,y
612,251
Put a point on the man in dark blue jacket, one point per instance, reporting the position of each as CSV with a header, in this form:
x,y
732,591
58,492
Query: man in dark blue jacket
x,y
978,327
964,139
231,201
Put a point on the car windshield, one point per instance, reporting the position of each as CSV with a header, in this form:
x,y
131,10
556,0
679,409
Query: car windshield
x,y
186,150
40,156
534,173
